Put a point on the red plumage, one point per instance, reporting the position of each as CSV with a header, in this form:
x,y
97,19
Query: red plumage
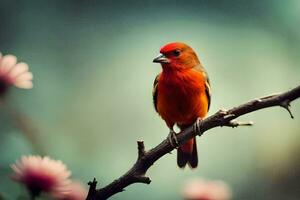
x,y
181,94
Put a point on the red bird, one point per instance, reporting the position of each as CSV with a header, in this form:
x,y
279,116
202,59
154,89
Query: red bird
x,y
181,95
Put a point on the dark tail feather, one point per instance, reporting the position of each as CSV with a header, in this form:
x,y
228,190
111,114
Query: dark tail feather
x,y
182,158
187,156
193,161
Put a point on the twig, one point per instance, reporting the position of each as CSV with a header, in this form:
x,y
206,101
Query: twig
x,y
92,189
222,118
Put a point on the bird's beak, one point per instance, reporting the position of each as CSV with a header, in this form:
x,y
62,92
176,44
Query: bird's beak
x,y
161,59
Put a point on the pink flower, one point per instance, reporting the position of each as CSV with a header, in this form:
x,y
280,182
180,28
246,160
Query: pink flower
x,y
41,174
199,189
13,73
76,191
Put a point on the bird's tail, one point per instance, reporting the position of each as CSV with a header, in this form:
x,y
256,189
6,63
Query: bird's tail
x,y
187,154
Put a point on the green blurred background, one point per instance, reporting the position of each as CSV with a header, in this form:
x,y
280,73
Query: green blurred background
x,y
93,75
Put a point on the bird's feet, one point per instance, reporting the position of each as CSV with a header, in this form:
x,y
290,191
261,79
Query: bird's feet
x,y
173,139
197,126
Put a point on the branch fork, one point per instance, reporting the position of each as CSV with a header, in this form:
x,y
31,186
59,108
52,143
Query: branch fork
x,y
286,105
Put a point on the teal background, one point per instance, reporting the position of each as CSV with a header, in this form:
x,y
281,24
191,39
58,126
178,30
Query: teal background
x,y
93,75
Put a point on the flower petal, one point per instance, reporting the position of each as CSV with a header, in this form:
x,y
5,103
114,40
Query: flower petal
x,y
19,69
27,76
7,63
24,84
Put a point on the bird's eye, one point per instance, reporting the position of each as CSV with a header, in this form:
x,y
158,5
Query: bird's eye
x,y
176,53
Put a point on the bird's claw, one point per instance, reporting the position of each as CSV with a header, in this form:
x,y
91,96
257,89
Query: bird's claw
x,y
197,126
173,139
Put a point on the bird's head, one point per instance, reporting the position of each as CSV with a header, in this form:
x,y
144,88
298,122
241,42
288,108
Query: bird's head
x,y
177,56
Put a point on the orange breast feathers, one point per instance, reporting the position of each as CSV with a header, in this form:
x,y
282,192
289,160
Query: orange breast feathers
x,y
182,97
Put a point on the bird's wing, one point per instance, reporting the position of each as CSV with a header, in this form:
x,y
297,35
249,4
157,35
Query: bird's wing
x,y
201,69
155,92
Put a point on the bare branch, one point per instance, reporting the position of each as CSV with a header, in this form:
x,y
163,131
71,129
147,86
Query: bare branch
x,y
286,105
234,123
222,118
92,190
141,148
143,179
